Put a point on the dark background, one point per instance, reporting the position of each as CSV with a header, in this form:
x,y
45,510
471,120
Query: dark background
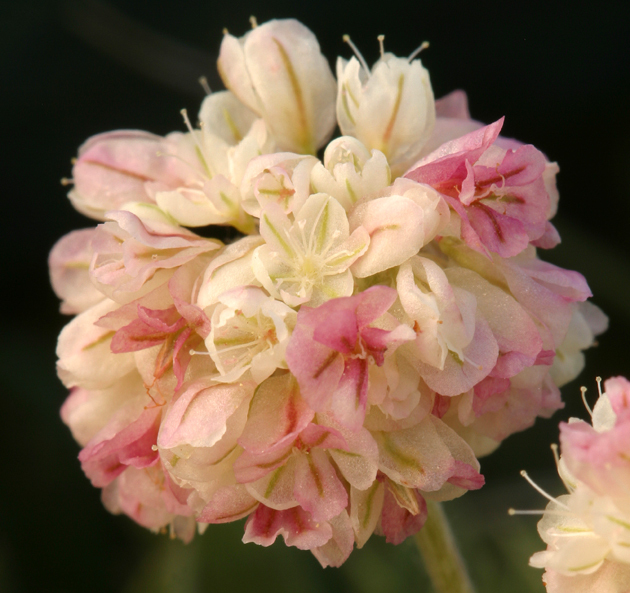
x,y
71,69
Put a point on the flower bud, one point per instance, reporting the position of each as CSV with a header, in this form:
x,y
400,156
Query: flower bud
x,y
349,172
277,70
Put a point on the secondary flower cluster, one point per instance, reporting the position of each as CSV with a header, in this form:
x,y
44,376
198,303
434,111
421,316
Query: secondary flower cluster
x,y
587,531
383,321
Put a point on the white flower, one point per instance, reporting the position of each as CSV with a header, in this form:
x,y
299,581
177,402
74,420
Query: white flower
x,y
308,260
277,70
349,172
390,108
250,331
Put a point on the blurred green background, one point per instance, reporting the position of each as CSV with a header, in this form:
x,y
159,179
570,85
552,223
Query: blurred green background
x,y
72,69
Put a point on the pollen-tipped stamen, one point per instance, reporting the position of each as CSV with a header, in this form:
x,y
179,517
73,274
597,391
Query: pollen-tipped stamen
x,y
381,39
588,408
541,491
424,45
203,81
357,53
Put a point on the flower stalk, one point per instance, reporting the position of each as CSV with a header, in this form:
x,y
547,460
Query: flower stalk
x,y
440,554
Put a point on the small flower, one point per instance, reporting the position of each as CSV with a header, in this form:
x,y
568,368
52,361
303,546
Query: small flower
x,y
587,531
389,108
350,173
333,345
308,260
499,194
250,331
277,70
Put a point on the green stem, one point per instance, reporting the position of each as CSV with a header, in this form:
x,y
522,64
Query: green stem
x,y
440,554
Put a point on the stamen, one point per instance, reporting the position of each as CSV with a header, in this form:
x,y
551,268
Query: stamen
x,y
541,491
202,154
192,352
253,21
381,39
599,385
184,113
66,181
556,457
203,81
539,512
424,45
583,390
225,31
570,487
357,53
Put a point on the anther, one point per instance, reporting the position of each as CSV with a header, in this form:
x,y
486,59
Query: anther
x,y
225,31
424,45
203,81
253,21
357,53
66,181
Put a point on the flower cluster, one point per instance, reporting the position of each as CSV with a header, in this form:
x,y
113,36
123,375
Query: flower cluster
x,y
587,531
383,321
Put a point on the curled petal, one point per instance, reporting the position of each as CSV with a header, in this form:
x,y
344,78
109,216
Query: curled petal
x,y
295,525
69,263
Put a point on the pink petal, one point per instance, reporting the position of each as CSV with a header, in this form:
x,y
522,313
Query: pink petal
x,y
549,239
618,391
228,504
252,467
448,161
69,263
199,415
295,525
316,367
455,105
415,457
349,399
598,459
317,487
103,461
466,476
322,437
114,168
398,523
501,234
366,507
338,548
277,415
373,303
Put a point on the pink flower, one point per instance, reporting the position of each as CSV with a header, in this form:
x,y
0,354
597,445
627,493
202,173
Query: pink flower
x,y
118,167
134,255
499,194
598,455
333,345
69,264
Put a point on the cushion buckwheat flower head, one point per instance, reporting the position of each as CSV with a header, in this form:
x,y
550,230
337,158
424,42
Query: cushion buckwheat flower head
x,y
382,321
